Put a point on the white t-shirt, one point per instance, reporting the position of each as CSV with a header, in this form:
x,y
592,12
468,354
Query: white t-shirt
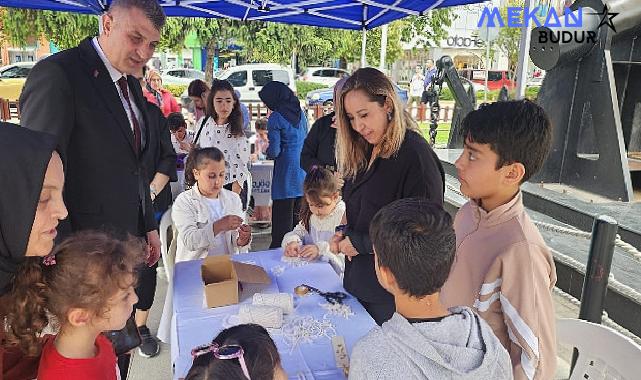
x,y
416,85
235,149
216,212
189,138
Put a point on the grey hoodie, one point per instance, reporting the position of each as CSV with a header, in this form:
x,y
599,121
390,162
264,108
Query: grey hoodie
x,y
460,346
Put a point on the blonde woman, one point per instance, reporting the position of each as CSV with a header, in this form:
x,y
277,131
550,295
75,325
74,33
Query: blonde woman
x,y
382,158
158,95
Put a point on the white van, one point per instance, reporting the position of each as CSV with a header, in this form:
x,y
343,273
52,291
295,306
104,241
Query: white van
x,y
249,79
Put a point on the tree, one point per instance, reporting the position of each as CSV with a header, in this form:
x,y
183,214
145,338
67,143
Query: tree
x,y
509,39
66,30
428,30
212,33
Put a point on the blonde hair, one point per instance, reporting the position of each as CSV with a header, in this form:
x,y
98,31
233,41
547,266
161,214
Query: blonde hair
x,y
153,73
351,147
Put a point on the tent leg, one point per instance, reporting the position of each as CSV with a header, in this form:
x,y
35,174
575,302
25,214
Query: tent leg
x,y
381,66
363,45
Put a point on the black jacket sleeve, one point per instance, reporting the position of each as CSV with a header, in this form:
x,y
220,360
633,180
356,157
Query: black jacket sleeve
x,y
46,102
309,154
167,158
361,241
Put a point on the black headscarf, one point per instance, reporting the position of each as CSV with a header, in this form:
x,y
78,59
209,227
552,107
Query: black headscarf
x,y
280,98
24,157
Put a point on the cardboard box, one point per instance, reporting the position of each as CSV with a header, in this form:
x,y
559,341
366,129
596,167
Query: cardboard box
x,y
221,277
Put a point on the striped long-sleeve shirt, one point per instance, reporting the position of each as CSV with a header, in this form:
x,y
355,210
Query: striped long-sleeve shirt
x,y
505,271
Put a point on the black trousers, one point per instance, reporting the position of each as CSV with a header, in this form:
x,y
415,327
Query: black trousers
x,y
146,287
284,218
380,312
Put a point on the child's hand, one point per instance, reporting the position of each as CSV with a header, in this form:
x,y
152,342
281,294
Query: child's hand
x,y
244,235
227,223
292,249
309,252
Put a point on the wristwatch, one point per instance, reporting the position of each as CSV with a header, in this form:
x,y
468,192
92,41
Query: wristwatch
x,y
152,192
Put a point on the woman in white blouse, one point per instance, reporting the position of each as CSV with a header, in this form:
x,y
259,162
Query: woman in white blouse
x,y
223,129
209,218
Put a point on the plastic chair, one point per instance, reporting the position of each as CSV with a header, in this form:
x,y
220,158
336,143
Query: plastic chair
x,y
169,262
603,352
165,227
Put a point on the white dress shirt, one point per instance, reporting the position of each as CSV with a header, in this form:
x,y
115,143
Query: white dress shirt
x,y
115,75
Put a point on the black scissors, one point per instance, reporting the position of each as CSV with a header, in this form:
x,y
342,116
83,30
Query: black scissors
x,y
331,297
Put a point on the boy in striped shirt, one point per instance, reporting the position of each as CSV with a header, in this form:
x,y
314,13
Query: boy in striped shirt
x,y
503,268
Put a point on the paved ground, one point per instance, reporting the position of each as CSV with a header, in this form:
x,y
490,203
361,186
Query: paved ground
x,y
158,368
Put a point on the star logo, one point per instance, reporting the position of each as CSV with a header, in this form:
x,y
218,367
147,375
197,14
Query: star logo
x,y
606,18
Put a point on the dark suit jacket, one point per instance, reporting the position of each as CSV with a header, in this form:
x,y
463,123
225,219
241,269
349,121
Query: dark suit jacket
x,y
319,147
160,156
72,96
415,171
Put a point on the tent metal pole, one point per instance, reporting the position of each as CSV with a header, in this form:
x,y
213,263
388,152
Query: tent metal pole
x,y
524,48
363,45
381,65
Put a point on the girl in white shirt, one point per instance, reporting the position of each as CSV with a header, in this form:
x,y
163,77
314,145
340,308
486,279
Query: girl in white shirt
x,y
321,212
209,218
223,129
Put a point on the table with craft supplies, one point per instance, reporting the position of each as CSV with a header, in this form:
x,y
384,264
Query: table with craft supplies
x,y
193,324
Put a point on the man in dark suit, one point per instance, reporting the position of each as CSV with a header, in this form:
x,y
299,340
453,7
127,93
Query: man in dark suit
x,y
89,98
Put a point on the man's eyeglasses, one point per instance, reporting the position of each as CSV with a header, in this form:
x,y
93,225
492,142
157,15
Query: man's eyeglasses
x,y
230,351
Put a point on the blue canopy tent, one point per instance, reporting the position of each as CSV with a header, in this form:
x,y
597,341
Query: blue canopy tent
x,y
342,14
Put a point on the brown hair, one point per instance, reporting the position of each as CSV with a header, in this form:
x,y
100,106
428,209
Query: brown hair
x,y
261,124
196,159
236,117
351,147
90,267
319,183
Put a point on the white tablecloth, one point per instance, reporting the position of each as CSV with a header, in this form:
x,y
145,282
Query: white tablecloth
x,y
194,325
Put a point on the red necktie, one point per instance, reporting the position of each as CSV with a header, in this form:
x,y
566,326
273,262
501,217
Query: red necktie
x,y
122,83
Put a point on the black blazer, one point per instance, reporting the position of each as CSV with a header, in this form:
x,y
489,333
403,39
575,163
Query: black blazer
x,y
72,96
160,156
320,145
415,171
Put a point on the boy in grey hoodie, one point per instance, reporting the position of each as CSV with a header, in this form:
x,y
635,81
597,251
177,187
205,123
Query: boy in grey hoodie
x,y
414,245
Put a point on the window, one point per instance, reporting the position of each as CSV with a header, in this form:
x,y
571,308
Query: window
x,y
262,77
494,76
16,72
238,79
328,73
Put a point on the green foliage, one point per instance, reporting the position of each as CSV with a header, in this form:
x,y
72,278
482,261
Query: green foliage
x,y
176,89
509,39
302,88
66,30
427,30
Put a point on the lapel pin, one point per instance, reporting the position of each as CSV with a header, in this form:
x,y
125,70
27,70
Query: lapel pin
x,y
95,73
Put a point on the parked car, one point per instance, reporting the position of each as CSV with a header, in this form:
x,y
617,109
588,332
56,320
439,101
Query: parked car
x,y
325,97
495,78
535,82
323,75
180,76
250,79
12,79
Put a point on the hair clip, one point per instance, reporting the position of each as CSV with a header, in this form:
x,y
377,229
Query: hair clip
x,y
49,260
204,349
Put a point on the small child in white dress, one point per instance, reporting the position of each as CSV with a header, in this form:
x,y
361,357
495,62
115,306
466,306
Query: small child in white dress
x,y
321,212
